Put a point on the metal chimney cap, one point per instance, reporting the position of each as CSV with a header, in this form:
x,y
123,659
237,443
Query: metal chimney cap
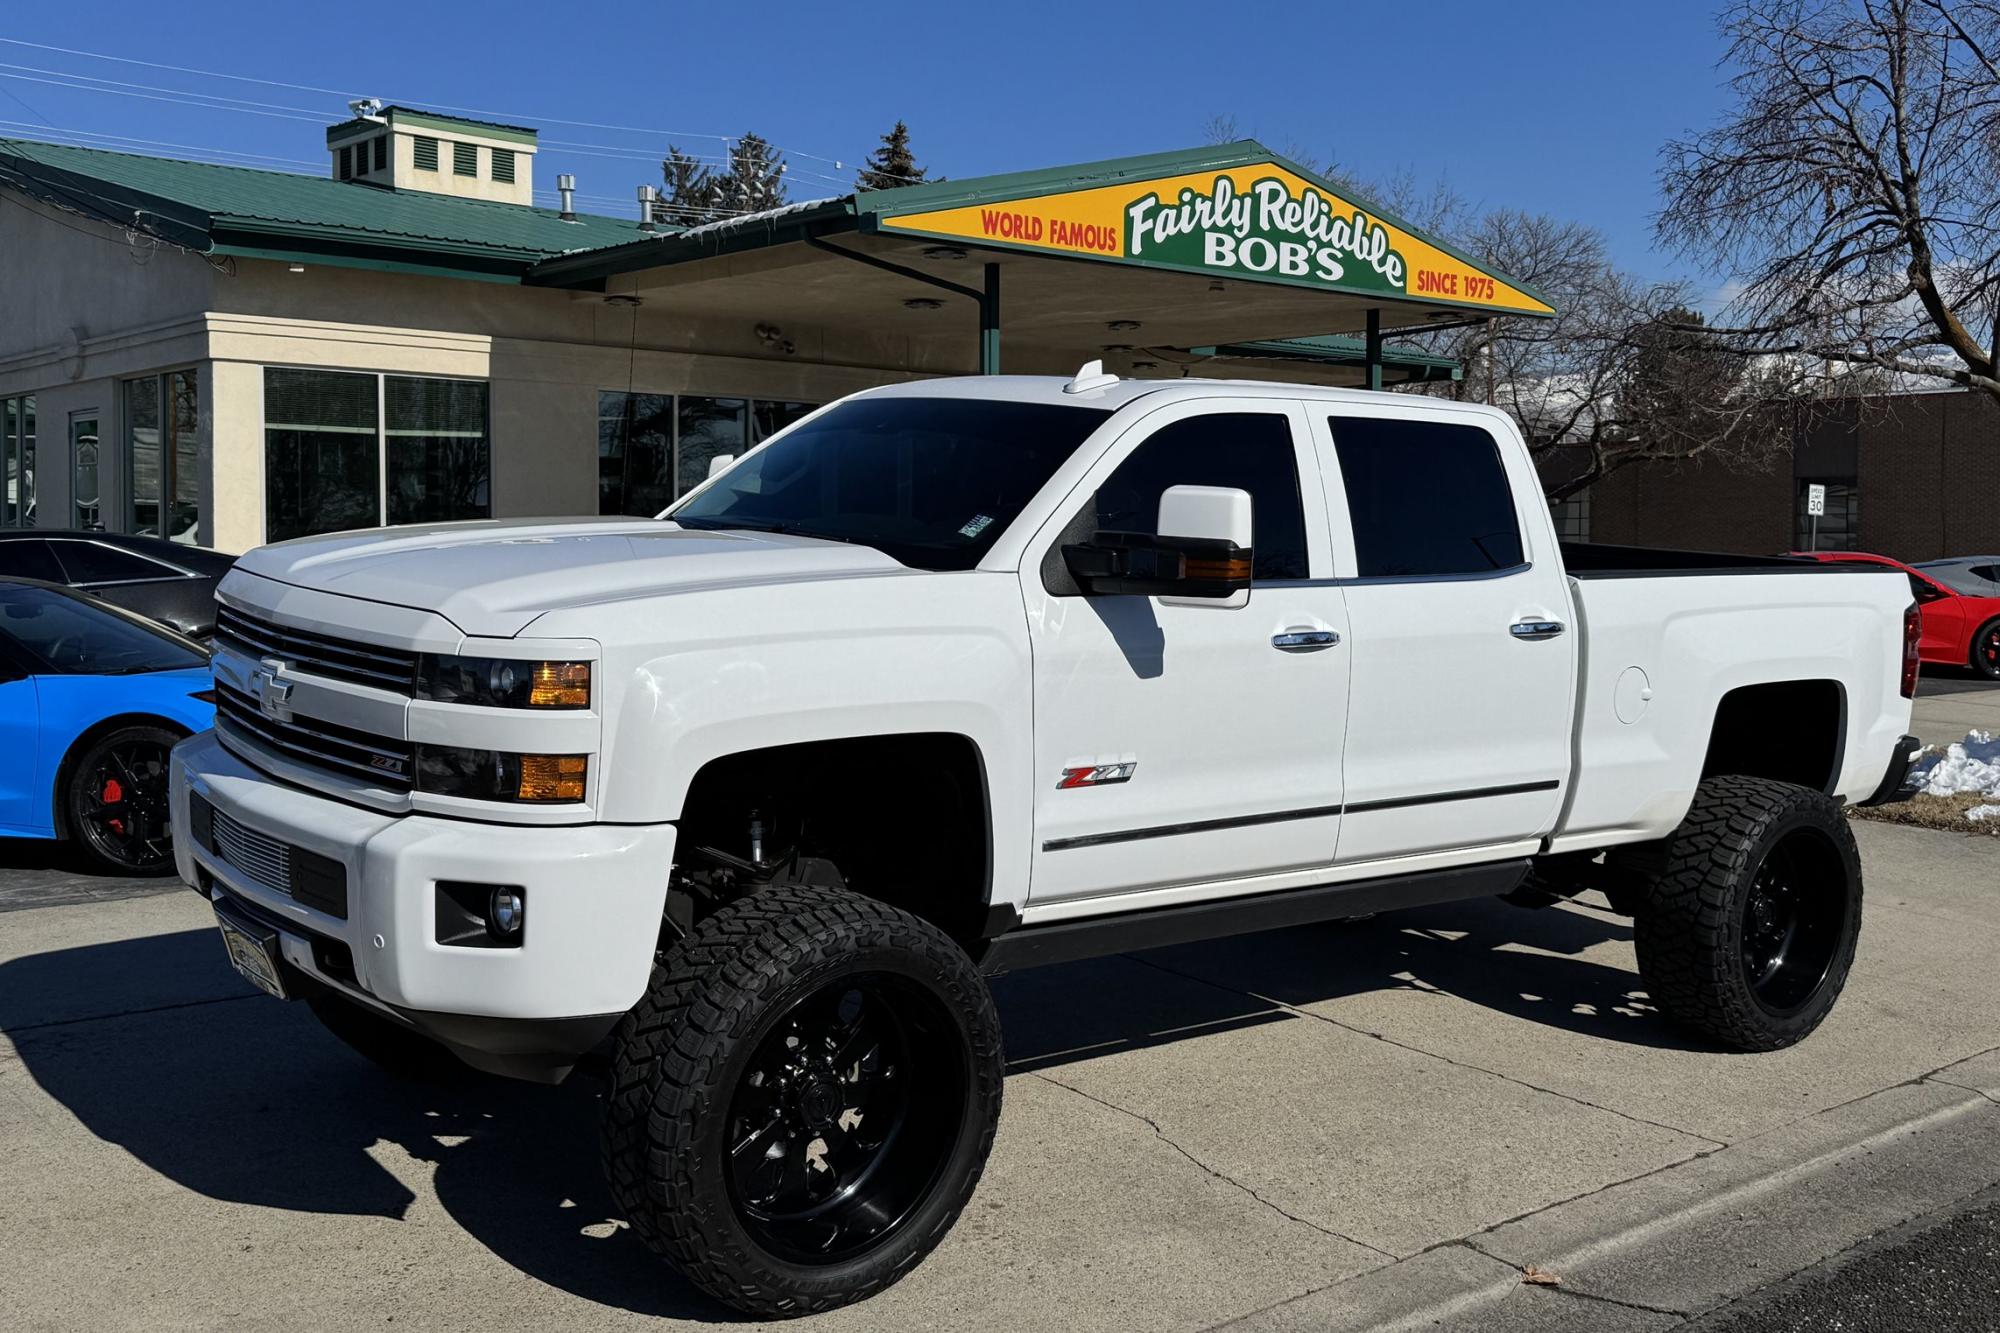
x,y
565,182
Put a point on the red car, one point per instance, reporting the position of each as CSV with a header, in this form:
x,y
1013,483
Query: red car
x,y
1959,628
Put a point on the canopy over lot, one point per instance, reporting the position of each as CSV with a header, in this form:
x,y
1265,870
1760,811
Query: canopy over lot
x,y
1215,257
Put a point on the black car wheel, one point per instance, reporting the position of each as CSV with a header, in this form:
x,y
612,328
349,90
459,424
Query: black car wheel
x,y
1986,650
1746,933
115,801
804,1100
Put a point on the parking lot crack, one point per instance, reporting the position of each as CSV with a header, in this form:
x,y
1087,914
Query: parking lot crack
x,y
125,1013
1457,1064
1222,1176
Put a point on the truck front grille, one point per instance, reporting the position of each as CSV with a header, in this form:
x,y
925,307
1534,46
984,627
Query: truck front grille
x,y
317,654
384,760
315,881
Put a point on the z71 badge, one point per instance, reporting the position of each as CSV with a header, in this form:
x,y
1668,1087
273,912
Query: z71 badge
x,y
1096,775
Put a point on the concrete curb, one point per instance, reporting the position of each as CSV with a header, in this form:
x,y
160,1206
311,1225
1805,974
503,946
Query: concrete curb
x,y
1686,1239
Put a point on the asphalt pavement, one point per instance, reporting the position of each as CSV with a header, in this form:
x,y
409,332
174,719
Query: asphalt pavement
x,y
1938,1273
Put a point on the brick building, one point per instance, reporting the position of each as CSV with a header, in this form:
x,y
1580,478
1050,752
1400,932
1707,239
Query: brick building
x,y
1914,476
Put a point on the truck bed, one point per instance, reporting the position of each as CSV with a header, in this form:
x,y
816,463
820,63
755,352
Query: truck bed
x,y
1590,560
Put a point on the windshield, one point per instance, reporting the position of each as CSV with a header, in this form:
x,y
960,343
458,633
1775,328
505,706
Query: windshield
x,y
930,482
72,637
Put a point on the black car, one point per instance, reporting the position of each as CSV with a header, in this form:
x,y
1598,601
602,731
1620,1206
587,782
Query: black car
x,y
165,581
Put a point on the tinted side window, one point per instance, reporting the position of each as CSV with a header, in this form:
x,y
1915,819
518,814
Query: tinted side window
x,y
1248,451
1426,498
88,562
29,560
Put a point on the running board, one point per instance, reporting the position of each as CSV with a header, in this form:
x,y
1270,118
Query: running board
x,y
1126,932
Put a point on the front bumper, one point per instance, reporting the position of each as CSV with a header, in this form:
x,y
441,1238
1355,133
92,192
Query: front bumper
x,y
595,897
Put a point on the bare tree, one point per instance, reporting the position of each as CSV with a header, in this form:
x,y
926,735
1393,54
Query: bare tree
x,y
1854,190
1624,372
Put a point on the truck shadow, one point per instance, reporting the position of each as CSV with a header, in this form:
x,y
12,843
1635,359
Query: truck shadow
x,y
154,1047
1526,964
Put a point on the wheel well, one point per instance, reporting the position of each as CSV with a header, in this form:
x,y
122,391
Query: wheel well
x,y
903,818
1788,730
85,739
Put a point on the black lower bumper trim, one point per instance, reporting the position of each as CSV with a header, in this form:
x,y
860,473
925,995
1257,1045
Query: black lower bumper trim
x,y
539,1050
1891,787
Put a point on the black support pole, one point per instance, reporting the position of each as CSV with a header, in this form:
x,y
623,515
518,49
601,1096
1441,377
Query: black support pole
x,y
989,323
1374,349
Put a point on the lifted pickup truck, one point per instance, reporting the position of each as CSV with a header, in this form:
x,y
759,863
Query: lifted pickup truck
x,y
969,675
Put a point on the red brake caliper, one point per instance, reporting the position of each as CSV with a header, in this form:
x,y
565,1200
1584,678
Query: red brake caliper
x,y
112,794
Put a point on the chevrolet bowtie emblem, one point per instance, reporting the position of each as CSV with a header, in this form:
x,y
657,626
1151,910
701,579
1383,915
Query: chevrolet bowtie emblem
x,y
274,696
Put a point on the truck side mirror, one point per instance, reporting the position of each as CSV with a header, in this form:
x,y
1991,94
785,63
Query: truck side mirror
x,y
1202,555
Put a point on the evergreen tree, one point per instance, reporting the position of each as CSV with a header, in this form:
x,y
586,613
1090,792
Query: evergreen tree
x,y
892,164
689,198
755,180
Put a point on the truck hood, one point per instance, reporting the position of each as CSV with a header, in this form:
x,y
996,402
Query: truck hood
x,y
492,579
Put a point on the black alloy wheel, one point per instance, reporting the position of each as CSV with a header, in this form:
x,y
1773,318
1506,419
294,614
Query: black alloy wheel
x,y
843,1118
1747,921
1986,650
1792,926
116,801
803,1100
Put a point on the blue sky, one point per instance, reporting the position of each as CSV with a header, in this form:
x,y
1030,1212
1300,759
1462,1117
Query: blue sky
x,y
1549,105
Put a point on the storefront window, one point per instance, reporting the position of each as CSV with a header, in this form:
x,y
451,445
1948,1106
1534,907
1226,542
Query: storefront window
x,y
322,464
1839,528
142,453
768,417
83,484
653,448
708,427
1572,517
17,462
162,456
327,449
438,456
184,451
635,453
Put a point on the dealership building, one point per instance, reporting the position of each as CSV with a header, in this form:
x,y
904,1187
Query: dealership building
x,y
233,356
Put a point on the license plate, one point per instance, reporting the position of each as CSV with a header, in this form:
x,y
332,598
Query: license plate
x,y
254,951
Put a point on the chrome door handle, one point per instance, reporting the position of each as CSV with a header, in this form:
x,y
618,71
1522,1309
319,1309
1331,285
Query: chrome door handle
x,y
1304,640
1536,629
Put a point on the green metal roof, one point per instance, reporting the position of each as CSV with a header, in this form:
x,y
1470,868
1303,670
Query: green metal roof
x,y
431,120
272,214
1338,349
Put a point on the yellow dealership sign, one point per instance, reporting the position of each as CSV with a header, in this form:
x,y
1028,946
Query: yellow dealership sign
x,y
1263,221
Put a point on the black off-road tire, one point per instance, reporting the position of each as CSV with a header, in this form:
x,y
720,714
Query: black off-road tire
x,y
387,1044
682,1059
1695,914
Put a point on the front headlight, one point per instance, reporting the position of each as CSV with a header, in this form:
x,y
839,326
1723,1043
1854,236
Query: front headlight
x,y
503,682
495,775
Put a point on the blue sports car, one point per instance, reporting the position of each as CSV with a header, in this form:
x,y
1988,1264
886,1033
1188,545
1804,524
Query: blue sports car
x,y
91,700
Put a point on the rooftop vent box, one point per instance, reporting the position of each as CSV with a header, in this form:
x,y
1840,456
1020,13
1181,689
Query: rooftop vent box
x,y
437,154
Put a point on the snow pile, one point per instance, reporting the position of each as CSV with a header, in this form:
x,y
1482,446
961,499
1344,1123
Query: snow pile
x,y
1979,812
1970,765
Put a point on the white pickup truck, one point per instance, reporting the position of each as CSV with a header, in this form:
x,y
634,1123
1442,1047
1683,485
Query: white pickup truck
x,y
968,675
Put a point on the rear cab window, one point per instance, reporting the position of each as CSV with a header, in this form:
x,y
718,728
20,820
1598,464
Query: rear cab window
x,y
1426,499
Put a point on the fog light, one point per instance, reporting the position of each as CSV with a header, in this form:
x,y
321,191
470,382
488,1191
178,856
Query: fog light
x,y
506,913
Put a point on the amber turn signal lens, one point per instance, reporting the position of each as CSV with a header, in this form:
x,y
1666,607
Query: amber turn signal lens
x,y
551,777
560,685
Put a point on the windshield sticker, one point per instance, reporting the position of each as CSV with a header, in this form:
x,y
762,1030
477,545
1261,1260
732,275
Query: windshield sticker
x,y
979,524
